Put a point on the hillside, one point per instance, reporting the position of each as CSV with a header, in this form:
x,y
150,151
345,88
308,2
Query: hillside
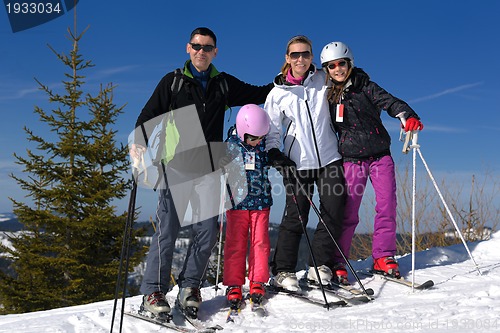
x,y
461,301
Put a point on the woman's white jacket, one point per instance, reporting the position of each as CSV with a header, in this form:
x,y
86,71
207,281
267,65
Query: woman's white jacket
x,y
301,125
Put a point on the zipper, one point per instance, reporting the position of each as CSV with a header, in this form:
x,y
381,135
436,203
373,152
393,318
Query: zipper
x,y
199,93
313,133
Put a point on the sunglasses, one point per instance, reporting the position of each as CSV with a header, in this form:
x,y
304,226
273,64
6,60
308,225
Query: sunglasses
x,y
340,63
254,138
297,55
206,48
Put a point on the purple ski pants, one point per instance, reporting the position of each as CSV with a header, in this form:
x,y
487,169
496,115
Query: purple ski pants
x,y
381,173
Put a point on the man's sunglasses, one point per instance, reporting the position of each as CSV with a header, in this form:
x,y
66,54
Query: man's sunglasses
x,y
206,48
297,55
340,63
254,138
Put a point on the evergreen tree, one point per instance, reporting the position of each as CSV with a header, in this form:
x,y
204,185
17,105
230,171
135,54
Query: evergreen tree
x,y
69,250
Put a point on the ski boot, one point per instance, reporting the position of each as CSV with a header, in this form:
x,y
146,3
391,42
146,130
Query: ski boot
x,y
286,280
386,266
257,291
189,300
340,274
155,306
234,296
325,274
256,294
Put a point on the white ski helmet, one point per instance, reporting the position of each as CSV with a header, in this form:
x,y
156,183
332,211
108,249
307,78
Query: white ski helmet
x,y
334,51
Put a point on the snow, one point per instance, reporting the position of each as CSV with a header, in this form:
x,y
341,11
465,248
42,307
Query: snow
x,y
462,300
6,217
5,241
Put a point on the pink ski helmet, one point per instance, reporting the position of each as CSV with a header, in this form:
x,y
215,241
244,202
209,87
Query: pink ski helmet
x,y
253,120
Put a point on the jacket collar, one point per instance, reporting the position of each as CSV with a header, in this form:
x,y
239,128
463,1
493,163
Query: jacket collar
x,y
280,80
211,69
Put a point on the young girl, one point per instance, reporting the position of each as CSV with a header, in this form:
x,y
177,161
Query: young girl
x,y
355,106
249,218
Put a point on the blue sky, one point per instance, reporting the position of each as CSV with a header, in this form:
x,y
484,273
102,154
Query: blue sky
x,y
440,56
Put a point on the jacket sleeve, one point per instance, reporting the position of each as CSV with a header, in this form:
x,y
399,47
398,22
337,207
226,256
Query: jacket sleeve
x,y
385,101
157,105
241,93
273,138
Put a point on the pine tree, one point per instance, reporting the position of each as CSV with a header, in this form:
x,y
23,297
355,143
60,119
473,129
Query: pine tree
x,y
69,250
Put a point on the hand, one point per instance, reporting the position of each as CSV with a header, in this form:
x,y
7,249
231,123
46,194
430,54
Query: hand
x,y
136,151
285,166
413,124
278,159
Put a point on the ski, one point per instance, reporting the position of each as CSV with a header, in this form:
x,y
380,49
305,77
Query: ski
x,y
258,308
402,281
332,290
352,289
311,300
195,322
234,313
257,304
163,323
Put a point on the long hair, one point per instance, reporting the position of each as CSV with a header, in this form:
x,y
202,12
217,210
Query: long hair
x,y
337,88
297,39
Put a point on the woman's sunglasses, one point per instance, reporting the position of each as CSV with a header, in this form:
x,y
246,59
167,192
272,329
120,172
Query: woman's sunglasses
x,y
297,55
340,63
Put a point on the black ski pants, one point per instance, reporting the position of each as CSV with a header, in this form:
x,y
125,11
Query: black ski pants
x,y
329,181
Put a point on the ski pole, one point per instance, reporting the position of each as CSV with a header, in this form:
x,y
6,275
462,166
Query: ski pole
x,y
416,148
222,215
448,211
406,148
127,235
410,135
125,254
329,233
313,258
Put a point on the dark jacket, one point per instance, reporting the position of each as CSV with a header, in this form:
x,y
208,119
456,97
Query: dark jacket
x,y
194,153
251,189
361,134
211,106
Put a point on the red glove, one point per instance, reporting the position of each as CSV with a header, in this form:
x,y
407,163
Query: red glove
x,y
413,124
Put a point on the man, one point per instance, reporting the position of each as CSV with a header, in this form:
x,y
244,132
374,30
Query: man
x,y
202,87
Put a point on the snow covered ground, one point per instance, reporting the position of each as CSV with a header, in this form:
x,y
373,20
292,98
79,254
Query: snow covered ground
x,y
6,216
461,301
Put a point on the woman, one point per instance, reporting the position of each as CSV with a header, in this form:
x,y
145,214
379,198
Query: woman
x,y
301,123
355,105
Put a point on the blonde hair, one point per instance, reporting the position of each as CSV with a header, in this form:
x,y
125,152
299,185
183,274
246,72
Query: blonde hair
x,y
294,40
